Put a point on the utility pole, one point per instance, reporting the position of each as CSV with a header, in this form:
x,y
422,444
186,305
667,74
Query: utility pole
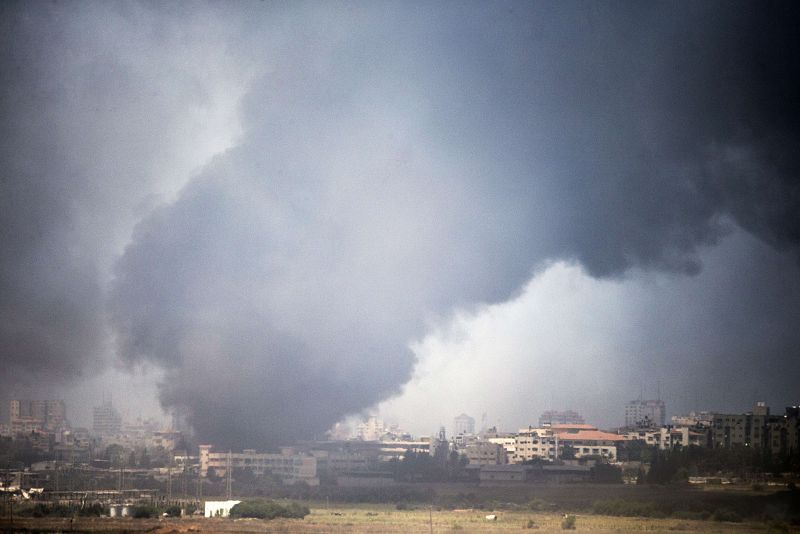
x,y
228,475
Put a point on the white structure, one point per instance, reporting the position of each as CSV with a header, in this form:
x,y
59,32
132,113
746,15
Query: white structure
x,y
463,425
508,442
371,429
533,443
666,437
645,413
219,508
290,467
590,443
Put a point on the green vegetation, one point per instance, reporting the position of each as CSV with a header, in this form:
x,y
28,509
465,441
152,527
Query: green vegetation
x,y
269,510
62,510
726,514
568,523
144,511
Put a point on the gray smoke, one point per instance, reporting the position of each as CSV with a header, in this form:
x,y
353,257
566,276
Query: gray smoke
x,y
395,163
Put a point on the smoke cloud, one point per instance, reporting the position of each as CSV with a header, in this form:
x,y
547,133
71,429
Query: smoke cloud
x,y
390,165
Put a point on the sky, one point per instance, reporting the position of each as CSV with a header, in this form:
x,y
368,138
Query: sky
x,y
271,216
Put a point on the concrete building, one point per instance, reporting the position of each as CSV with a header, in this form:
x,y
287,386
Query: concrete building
x,y
645,414
783,432
589,443
744,429
288,465
693,419
218,508
507,441
505,474
371,429
555,417
26,416
106,420
531,443
485,453
463,425
667,437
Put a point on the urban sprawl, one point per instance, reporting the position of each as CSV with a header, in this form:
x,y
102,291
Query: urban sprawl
x,y
118,463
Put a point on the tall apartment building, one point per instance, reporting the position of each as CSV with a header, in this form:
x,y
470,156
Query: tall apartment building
x,y
645,413
463,425
743,429
784,432
556,417
29,415
779,433
106,420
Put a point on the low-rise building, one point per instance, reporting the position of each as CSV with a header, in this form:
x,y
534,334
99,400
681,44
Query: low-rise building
x,y
590,443
288,465
485,453
219,508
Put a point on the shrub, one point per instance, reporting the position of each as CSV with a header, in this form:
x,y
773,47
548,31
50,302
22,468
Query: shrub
x,y
726,514
777,527
688,514
540,505
624,508
568,523
269,510
530,524
143,512
93,510
173,511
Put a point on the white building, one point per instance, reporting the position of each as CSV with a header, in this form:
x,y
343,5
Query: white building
x,y
645,413
371,429
290,467
533,443
463,425
219,508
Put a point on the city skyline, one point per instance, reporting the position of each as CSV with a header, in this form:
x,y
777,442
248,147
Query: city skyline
x,y
271,217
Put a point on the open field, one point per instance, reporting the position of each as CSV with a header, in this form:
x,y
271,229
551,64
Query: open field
x,y
459,508
380,519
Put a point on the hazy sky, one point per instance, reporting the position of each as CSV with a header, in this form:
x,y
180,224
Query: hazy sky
x,y
272,215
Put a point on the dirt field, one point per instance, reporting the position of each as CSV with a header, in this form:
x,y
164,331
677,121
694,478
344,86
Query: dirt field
x,y
381,519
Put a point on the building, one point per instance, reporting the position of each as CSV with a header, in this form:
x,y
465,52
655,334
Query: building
x,y
531,443
485,453
783,433
505,474
218,508
463,425
371,429
106,420
744,429
287,465
694,419
505,440
667,437
586,442
555,417
26,416
645,414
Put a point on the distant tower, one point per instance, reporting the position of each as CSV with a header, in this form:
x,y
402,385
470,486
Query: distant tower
x,y
463,425
645,413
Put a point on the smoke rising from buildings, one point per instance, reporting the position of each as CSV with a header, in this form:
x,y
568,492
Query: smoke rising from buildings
x,y
378,168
